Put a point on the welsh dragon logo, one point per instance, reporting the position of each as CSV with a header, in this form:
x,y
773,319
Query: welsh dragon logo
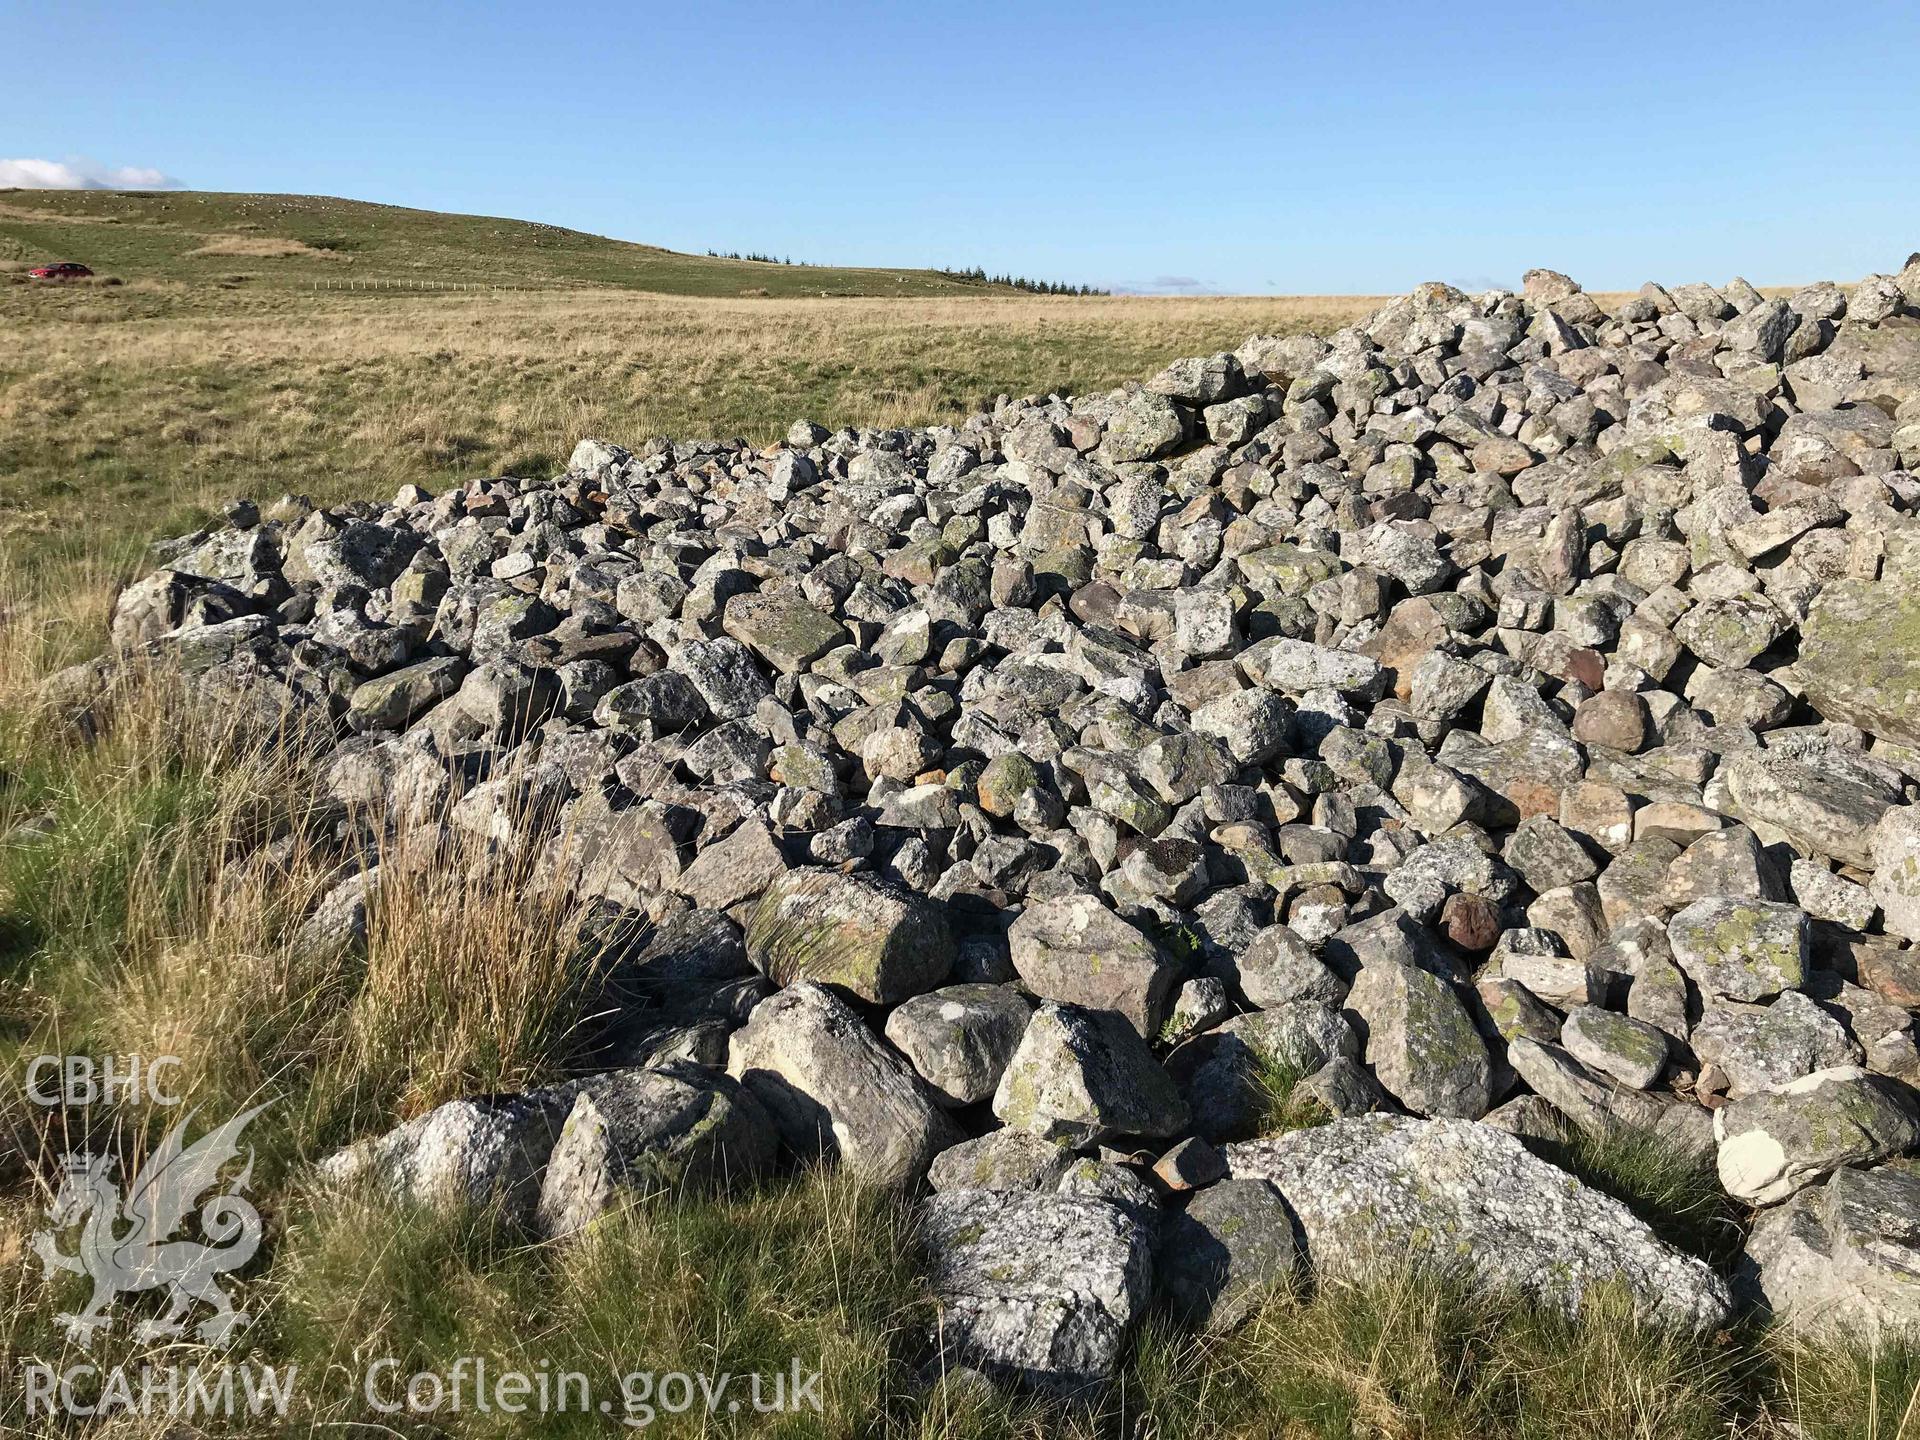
x,y
128,1244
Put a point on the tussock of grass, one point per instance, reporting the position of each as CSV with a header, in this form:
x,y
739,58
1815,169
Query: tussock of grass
x,y
1845,1392
1413,1353
1677,1194
479,969
813,1267
1281,1109
145,919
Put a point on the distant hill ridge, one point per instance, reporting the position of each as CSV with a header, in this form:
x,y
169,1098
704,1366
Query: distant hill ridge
x,y
208,235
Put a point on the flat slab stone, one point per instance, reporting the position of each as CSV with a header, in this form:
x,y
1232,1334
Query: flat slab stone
x,y
782,628
876,940
1371,1192
1860,657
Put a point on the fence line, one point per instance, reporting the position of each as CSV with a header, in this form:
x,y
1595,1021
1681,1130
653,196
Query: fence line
x,y
411,286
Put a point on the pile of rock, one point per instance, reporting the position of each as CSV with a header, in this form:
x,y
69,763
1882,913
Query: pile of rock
x,y
1492,721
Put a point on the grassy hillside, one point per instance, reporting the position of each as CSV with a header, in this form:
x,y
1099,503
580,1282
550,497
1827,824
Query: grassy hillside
x,y
298,239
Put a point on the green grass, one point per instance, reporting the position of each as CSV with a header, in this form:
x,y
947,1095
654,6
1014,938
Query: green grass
x,y
1677,1194
154,235
1281,1110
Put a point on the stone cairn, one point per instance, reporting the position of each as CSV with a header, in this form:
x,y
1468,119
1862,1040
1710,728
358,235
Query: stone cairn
x,y
1240,826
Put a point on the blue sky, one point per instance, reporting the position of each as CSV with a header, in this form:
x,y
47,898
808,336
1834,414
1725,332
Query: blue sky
x,y
1272,148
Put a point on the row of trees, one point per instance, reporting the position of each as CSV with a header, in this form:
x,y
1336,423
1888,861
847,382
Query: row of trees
x,y
975,275
978,276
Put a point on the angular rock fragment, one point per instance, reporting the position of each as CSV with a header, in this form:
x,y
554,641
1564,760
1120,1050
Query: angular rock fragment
x,y
1231,1247
832,1088
1841,1261
1082,1076
1040,1290
672,1128
1078,951
1779,1141
960,1038
1741,949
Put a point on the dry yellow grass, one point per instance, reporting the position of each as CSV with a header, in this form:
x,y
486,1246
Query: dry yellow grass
x,y
119,409
260,247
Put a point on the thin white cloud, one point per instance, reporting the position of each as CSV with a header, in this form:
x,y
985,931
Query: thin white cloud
x,y
1165,285
81,175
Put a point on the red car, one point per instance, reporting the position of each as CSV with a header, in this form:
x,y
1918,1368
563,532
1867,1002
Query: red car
x,y
65,270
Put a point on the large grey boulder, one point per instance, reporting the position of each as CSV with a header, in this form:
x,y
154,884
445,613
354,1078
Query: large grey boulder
x,y
1619,1046
148,609
1231,1247
1036,1289
391,701
833,1089
676,1127
1593,1103
1081,1076
960,1038
1143,426
1783,1140
1420,1041
1076,950
724,673
1298,667
1860,656
1375,1192
1826,803
1278,968
1759,1047
734,870
1895,852
1842,1260
874,939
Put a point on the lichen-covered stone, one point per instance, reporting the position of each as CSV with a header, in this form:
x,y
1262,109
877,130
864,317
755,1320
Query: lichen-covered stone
x,y
1742,949
960,1038
1081,1076
1373,1193
1231,1247
875,940
1421,1043
1783,1140
668,1129
1841,1261
1860,656
1037,1289
461,1157
832,1088
1003,1159
782,628
1076,950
